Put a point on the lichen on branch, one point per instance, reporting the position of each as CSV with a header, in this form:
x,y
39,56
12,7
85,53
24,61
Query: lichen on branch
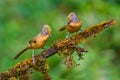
x,y
63,47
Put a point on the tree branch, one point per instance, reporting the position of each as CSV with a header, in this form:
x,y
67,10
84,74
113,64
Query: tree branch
x,y
64,48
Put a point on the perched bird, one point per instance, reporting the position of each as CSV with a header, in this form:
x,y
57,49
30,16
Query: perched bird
x,y
73,23
38,41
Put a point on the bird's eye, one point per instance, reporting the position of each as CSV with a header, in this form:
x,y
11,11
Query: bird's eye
x,y
34,41
69,22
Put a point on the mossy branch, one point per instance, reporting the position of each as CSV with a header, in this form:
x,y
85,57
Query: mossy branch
x,y
64,48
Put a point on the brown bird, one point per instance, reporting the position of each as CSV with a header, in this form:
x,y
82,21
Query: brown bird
x,y
38,41
73,23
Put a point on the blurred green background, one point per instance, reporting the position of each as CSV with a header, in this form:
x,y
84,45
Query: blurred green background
x,y
20,20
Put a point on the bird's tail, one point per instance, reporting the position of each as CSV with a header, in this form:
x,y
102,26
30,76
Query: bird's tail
x,y
22,51
62,28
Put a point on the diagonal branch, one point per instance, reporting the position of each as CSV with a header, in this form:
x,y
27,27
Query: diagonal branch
x,y
64,47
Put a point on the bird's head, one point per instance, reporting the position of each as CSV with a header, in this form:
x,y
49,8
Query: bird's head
x,y
72,18
46,30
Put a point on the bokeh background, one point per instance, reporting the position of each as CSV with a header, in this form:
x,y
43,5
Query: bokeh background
x,y
20,20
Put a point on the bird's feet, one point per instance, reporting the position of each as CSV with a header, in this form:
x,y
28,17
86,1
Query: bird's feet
x,y
67,35
33,59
